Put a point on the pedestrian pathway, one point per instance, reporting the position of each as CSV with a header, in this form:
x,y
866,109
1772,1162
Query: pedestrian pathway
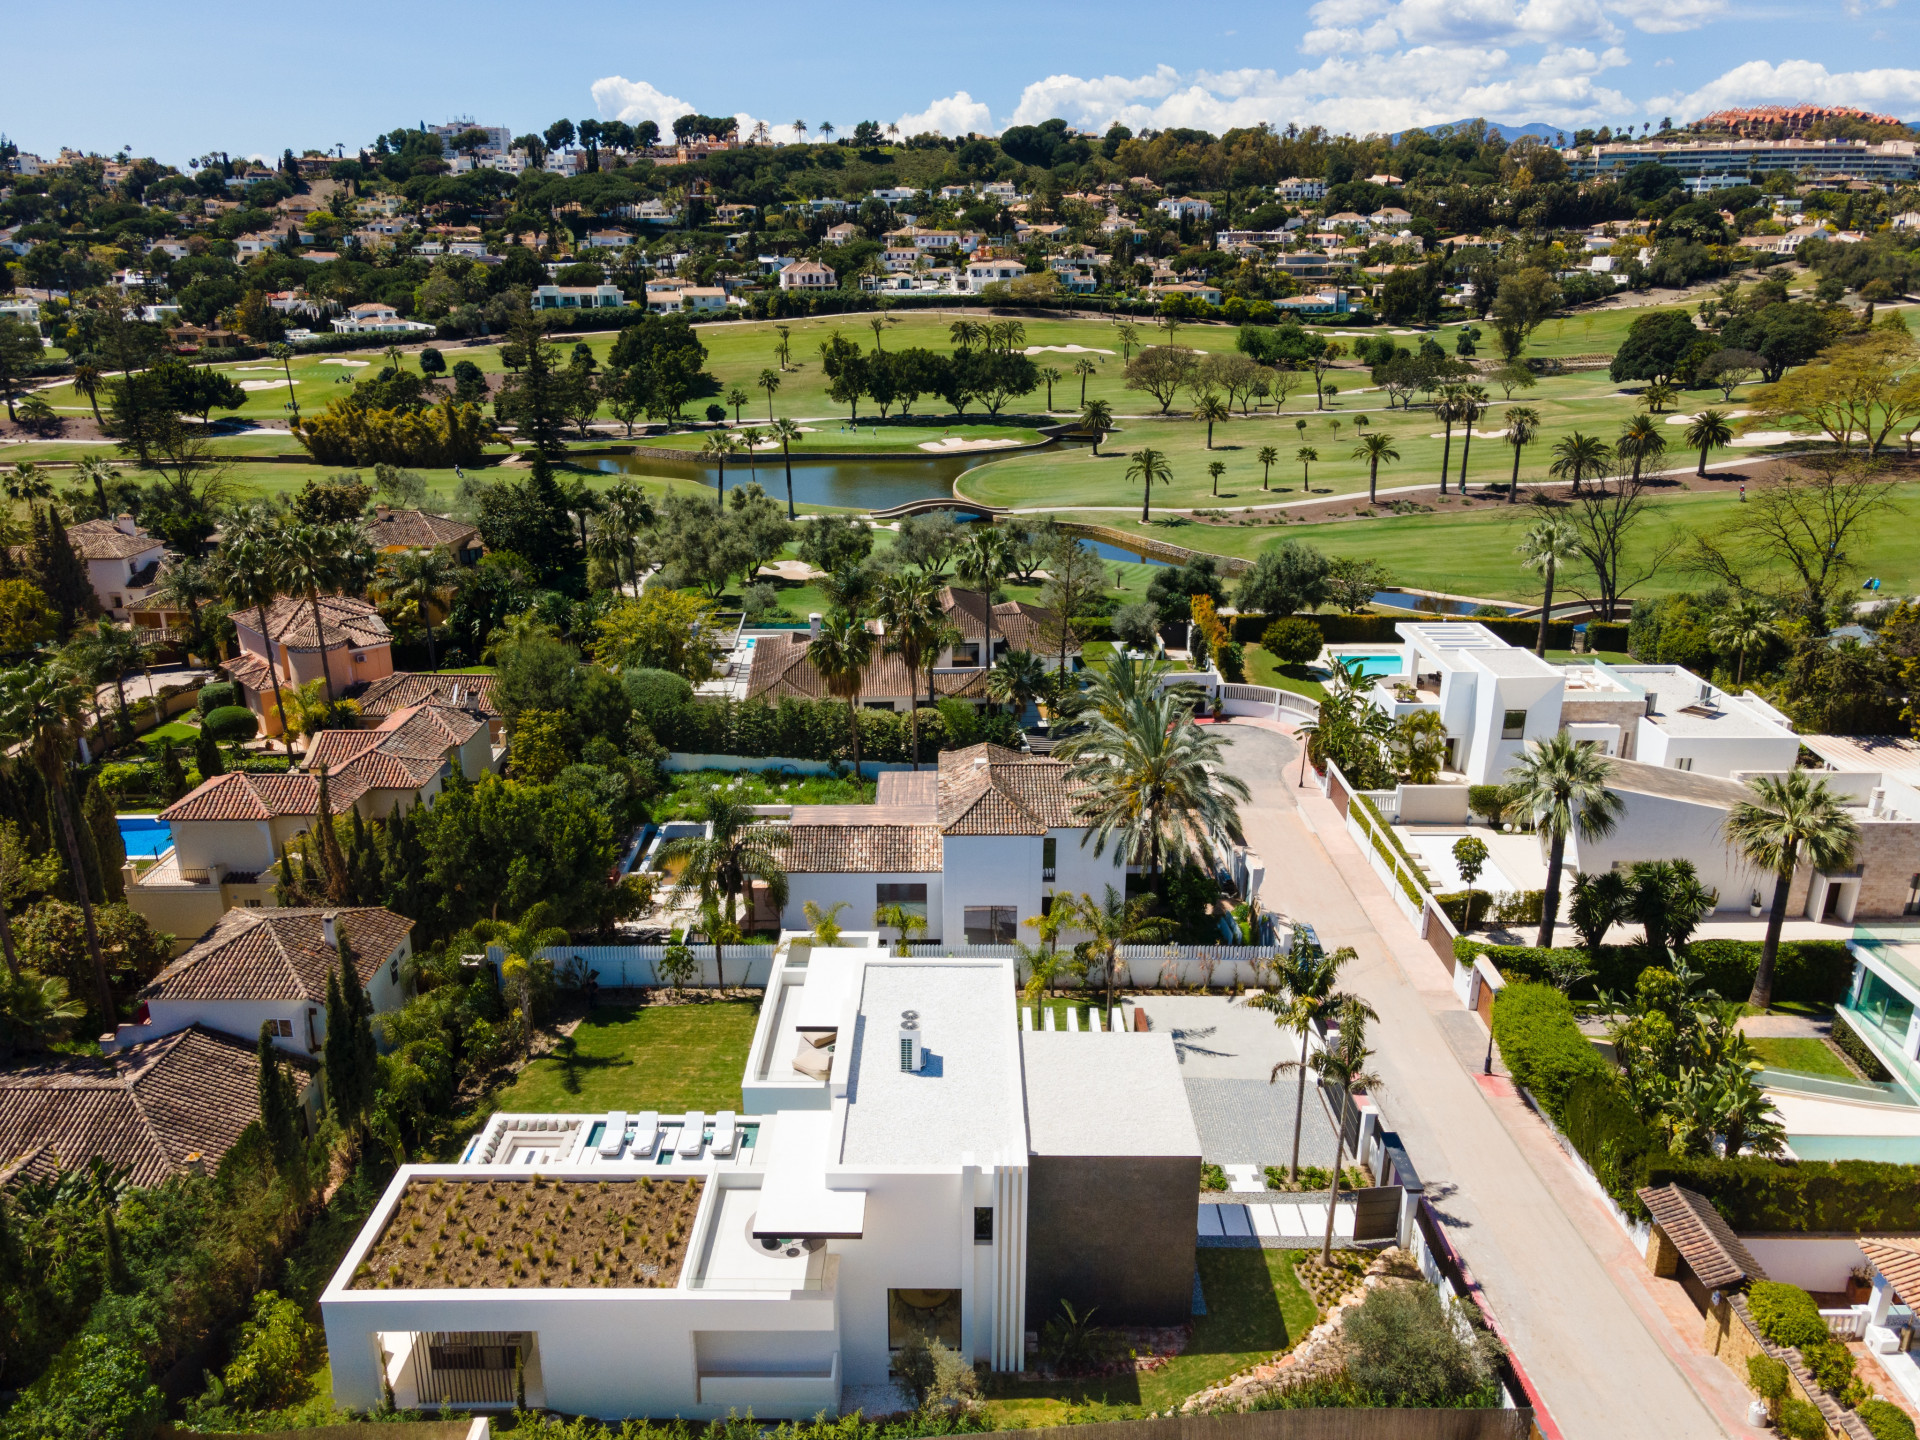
x,y
1277,1225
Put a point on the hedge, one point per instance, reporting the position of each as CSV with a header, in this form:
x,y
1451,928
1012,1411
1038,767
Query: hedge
x,y
1607,634
1857,1050
807,730
216,695
1545,1052
1379,629
1885,1421
231,723
1811,970
1407,868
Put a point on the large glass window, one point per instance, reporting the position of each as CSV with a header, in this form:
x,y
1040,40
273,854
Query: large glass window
x,y
1513,725
991,924
1885,1008
912,898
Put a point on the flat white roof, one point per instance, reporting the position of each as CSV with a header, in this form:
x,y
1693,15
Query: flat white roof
x,y
1676,699
966,1096
1510,663
1452,635
1105,1094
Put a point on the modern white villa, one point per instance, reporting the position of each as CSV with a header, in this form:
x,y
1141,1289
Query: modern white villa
x,y
906,1160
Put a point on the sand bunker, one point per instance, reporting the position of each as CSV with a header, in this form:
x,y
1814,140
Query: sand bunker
x,y
1774,437
356,364
1066,350
263,384
1478,434
1724,415
956,442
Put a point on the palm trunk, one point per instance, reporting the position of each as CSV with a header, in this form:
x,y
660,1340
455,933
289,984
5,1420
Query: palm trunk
x,y
286,738
1702,471
1146,501
1333,1190
853,731
1546,609
1446,455
426,619
787,455
1762,995
1466,449
120,698
721,502
320,639
1373,481
83,889
913,710
1550,897
1513,489
1299,1109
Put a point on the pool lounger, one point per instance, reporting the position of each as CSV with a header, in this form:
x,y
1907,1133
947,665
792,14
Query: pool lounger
x,y
646,1135
614,1136
692,1134
726,1136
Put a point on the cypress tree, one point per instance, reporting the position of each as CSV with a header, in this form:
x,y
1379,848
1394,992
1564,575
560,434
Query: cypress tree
x,y
280,1114
284,894
102,827
332,862
173,776
306,879
351,1058
118,1280
207,757
58,572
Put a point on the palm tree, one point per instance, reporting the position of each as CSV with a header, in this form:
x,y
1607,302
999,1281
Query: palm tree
x,y
769,381
1216,468
27,484
314,558
423,579
909,604
841,653
1578,457
962,334
1472,405
88,379
1110,923
825,127
1561,783
1018,678
737,398
626,514
1447,410
721,864
1050,374
786,432
1523,423
1210,408
1657,396
1708,430
284,354
1268,456
1306,455
1158,782
1640,441
982,561
1374,449
1096,418
715,452
104,653
40,711
1083,367
1788,817
799,130
1342,1065
1148,466
184,586
1547,544
251,573
1303,993
34,1011
1746,627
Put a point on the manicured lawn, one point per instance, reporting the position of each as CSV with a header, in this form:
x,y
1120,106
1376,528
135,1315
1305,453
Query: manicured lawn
x,y
1264,669
650,1057
1256,1308
173,730
1802,1056
766,788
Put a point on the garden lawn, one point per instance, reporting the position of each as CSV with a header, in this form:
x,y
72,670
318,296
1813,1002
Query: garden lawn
x,y
1256,1308
173,730
648,1057
1264,669
768,787
1802,1056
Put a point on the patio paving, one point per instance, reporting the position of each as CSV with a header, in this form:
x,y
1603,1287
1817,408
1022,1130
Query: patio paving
x,y
1283,1225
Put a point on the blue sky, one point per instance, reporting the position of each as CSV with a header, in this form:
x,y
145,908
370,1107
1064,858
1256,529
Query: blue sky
x,y
175,81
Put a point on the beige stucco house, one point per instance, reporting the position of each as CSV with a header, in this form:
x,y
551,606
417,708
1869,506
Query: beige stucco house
x,y
350,643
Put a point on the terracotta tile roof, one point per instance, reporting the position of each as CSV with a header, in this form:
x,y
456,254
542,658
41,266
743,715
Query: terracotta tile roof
x,y
104,540
146,1109
1705,1240
862,849
907,787
1899,1261
239,795
347,621
781,671
418,530
250,670
1021,626
273,954
404,688
333,748
990,790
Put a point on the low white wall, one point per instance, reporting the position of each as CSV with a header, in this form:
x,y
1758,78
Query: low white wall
x,y
1434,805
1813,1262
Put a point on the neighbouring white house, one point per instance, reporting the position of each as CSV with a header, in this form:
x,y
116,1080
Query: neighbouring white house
x,y
607,239
259,968
1300,188
375,317
807,275
977,847
982,273
578,297
1185,207
123,562
840,234
230,831
907,1162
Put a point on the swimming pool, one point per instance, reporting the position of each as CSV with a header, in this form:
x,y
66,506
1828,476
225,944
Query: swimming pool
x,y
1896,1149
145,837
1372,665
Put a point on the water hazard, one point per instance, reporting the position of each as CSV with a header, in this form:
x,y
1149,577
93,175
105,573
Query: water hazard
x,y
862,484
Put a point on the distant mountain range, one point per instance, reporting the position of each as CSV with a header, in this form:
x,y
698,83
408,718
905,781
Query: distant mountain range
x,y
1506,132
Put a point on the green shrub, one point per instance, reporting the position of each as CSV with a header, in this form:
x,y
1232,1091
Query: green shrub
x,y
1293,640
1519,907
1213,1177
1489,802
1768,1377
1403,1344
1232,661
1607,634
1832,1365
1785,1314
1800,1421
1885,1421
217,695
1465,909
1856,1049
1543,1048
231,724
1809,970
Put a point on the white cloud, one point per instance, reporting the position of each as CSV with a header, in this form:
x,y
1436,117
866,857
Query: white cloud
x,y
1668,17
1761,82
619,98
958,114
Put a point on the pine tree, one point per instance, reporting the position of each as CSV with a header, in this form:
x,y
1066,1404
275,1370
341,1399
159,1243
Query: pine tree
x,y
103,829
60,574
207,757
351,1058
280,1114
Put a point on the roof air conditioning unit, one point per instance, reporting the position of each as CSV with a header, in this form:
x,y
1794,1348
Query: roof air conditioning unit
x,y
910,1052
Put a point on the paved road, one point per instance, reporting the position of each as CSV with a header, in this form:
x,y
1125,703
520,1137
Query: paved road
x,y
1558,1273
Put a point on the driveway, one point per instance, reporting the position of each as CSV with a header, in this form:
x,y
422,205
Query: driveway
x,y
1561,1276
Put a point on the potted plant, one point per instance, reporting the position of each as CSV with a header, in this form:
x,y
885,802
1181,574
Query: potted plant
x,y
1859,1286
1753,905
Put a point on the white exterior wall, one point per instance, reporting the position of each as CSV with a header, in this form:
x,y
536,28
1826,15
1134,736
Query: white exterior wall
x,y
1655,827
858,891
1489,756
1080,871
914,1240
237,844
989,870
1715,754
242,1019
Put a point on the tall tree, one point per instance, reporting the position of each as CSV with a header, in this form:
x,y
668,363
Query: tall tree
x,y
1376,448
249,570
1561,783
786,432
280,1115
1523,423
1302,997
720,865
1788,818
909,608
982,560
315,559
1547,544
841,653
1149,467
535,397
1708,430
349,1054
1640,441
423,579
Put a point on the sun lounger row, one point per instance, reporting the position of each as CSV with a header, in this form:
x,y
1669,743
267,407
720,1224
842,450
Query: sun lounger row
x,y
640,1140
